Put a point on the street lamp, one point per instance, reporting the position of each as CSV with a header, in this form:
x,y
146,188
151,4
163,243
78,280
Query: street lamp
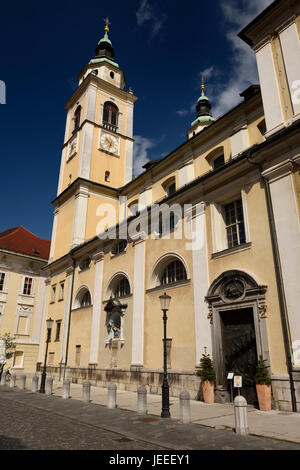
x,y
43,379
164,305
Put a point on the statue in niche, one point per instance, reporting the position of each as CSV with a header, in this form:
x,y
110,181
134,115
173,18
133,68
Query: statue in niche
x,y
114,317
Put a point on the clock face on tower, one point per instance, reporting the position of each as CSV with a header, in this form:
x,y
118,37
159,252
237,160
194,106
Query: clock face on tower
x,y
109,142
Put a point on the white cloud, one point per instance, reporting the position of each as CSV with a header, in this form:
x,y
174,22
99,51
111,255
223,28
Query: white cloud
x,y
141,147
182,112
237,15
148,13
208,73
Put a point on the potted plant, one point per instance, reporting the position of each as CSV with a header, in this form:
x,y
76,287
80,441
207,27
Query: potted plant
x,y
263,385
208,377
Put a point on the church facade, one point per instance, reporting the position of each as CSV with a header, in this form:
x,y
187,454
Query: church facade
x,y
214,224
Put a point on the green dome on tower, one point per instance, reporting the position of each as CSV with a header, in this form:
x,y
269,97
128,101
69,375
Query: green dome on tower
x,y
203,109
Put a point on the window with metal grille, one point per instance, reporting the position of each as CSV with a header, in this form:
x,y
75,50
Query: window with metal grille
x,y
76,117
2,279
119,247
173,272
122,288
171,189
58,328
234,222
85,263
110,114
86,300
218,162
27,286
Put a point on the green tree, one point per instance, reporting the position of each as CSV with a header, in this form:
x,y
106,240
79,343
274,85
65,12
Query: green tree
x,y
207,370
10,347
262,372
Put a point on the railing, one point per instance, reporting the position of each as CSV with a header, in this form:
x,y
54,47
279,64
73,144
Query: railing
x,y
110,127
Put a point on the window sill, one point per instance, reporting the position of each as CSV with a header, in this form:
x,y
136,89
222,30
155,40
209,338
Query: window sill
x,y
229,251
119,298
81,308
113,255
172,285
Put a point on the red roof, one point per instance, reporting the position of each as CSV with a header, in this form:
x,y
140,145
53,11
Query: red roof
x,y
20,240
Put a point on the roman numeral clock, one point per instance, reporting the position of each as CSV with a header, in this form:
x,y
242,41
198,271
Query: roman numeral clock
x,y
110,143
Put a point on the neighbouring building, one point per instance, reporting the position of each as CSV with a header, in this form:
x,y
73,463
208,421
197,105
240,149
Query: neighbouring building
x,y
235,183
22,294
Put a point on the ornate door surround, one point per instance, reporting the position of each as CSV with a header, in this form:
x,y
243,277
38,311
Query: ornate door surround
x,y
236,290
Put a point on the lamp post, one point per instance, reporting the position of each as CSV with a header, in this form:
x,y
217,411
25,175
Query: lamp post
x,y
43,379
164,304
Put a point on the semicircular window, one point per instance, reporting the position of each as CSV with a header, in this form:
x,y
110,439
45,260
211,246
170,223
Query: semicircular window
x,y
85,300
119,247
173,272
85,263
122,288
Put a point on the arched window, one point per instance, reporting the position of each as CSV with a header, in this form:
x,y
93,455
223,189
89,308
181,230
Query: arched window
x,y
173,272
106,176
76,118
85,263
122,288
119,247
86,300
110,114
82,298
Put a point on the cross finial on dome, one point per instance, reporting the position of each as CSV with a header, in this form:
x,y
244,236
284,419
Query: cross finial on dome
x,y
106,29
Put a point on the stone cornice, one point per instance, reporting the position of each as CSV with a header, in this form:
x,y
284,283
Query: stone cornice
x,y
112,89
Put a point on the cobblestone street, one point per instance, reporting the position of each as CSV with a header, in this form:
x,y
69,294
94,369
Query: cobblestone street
x,y
34,421
25,427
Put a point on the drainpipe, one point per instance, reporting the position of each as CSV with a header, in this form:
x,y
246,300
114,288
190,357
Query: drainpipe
x,y
279,281
70,311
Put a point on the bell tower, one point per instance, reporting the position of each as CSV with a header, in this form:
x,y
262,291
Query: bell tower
x,y
97,152
98,143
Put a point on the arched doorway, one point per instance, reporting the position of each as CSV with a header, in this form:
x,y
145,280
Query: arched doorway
x,y
238,316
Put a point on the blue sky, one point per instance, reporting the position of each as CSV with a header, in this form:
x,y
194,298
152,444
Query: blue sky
x,y
163,48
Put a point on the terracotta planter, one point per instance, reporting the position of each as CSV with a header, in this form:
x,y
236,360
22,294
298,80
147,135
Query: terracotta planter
x,y
208,391
264,397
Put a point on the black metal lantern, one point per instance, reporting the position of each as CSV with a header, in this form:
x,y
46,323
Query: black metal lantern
x,y
164,304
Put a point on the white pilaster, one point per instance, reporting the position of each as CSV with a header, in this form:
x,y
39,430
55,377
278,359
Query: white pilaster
x,y
239,141
288,236
138,304
96,315
53,237
86,150
80,213
128,160
66,315
200,284
186,173
290,45
269,88
43,321
39,310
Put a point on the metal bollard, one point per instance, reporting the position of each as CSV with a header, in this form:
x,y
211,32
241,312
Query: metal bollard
x,y
3,378
49,385
86,391
66,389
34,383
184,407
112,396
12,382
22,382
141,401
240,414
